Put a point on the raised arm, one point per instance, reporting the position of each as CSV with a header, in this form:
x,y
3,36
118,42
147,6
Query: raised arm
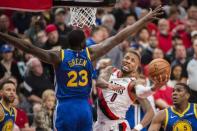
x,y
102,48
51,57
158,121
149,113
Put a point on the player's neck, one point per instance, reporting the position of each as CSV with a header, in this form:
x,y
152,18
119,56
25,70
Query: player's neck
x,y
128,74
76,48
181,107
6,104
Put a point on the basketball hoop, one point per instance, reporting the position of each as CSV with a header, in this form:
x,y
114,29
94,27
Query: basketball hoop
x,y
83,16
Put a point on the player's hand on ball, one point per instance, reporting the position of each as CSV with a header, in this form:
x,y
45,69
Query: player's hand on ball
x,y
160,81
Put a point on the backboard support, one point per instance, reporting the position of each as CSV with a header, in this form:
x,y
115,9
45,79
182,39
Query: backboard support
x,y
85,3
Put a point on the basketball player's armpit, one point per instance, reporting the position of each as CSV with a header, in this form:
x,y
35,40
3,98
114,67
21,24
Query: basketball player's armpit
x,y
104,76
149,113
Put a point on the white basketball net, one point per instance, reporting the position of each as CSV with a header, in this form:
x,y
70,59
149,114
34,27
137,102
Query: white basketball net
x,y
83,16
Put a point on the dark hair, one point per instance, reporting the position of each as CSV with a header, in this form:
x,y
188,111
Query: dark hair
x,y
133,52
6,82
176,36
173,9
185,86
97,28
76,38
172,77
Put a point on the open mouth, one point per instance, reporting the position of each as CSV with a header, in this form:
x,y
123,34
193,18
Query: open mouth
x,y
12,97
125,68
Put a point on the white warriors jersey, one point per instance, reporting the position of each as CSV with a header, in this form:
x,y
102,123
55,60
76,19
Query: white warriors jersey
x,y
113,105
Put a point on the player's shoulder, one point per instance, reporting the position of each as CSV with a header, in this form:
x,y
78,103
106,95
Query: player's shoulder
x,y
2,113
111,68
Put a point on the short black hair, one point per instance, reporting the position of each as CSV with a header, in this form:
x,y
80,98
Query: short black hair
x,y
185,86
6,82
130,50
176,36
76,38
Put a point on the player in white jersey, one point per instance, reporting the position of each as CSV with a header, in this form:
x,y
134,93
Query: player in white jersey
x,y
113,105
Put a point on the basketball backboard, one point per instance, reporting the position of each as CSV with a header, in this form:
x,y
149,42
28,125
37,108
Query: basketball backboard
x,y
84,3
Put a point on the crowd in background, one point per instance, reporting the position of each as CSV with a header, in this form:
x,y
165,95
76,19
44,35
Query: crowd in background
x,y
173,37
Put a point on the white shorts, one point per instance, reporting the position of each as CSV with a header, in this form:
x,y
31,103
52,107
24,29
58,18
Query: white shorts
x,y
112,125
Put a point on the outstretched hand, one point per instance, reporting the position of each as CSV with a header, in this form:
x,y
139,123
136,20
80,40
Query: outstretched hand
x,y
154,14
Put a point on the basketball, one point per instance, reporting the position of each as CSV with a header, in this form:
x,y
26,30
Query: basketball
x,y
159,67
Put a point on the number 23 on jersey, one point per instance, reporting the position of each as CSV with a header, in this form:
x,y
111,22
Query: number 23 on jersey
x,y
77,78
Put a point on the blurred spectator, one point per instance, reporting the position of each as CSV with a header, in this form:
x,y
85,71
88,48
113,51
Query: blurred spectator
x,y
44,117
130,19
116,54
21,118
98,34
163,97
148,52
181,58
99,14
54,40
152,27
35,80
144,3
190,51
60,16
4,26
184,31
192,74
8,66
192,12
164,36
176,40
143,38
176,75
120,13
21,21
41,39
36,25
175,10
4,23
155,3
173,17
158,53
108,20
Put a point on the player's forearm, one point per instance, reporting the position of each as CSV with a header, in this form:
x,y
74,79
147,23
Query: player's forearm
x,y
148,117
101,49
101,83
130,30
18,43
153,129
149,112
29,48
